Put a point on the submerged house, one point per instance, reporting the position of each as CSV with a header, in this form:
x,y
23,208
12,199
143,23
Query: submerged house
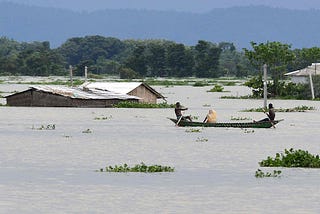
x,y
96,95
60,96
139,89
304,75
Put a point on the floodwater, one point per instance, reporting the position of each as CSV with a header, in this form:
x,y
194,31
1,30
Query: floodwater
x,y
53,171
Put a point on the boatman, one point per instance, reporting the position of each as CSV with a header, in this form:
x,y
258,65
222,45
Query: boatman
x,y
178,110
271,114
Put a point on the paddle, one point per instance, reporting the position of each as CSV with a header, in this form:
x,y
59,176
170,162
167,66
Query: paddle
x,y
179,120
270,120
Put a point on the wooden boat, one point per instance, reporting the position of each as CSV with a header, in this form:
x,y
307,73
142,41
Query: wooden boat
x,y
264,124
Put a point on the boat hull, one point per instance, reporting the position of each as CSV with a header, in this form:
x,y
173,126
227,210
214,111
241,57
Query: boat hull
x,y
264,124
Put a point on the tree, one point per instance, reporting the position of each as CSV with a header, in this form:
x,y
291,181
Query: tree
x,y
276,55
137,61
305,57
155,59
206,59
180,61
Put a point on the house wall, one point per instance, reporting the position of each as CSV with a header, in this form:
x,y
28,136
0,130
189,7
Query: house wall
x,y
299,79
44,99
144,93
20,99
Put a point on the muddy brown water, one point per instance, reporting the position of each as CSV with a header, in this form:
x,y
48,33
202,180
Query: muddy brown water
x,y
53,171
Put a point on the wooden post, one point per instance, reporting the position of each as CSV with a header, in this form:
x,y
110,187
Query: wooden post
x,y
265,92
85,73
71,79
311,85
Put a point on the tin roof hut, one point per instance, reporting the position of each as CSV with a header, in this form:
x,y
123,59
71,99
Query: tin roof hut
x,y
139,89
60,96
302,75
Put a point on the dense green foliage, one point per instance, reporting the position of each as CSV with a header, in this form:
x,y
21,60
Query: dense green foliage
x,y
128,58
279,58
132,59
292,158
137,168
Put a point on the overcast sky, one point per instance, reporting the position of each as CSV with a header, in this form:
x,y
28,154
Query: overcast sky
x,y
177,5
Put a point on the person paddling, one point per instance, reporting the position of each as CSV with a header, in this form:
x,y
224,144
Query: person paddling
x,y
271,114
178,111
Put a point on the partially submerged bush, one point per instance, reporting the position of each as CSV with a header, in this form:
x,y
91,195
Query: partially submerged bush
x,y
138,168
292,158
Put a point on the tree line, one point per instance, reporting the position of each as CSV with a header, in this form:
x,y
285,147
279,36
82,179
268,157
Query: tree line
x,y
127,58
152,58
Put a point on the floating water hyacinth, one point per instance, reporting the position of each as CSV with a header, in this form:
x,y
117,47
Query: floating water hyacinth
x,y
137,168
45,127
292,158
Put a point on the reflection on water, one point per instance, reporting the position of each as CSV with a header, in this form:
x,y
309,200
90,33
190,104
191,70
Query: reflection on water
x,y
53,171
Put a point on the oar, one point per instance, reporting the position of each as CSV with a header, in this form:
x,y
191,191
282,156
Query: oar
x,y
179,120
270,120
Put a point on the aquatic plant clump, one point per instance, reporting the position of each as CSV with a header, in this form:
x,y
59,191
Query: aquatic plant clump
x,y
137,168
216,88
292,158
261,174
45,127
295,109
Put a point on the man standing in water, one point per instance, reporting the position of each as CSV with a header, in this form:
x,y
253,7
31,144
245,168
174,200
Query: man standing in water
x,y
178,111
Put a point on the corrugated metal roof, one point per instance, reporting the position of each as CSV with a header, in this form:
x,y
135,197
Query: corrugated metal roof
x,y
81,94
313,69
119,87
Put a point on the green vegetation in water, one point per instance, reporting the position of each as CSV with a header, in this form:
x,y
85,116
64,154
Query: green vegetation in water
x,y
202,139
194,117
295,109
88,131
236,97
261,174
126,104
200,84
137,168
189,81
217,88
166,82
240,118
45,127
193,130
75,82
248,131
103,118
228,83
292,158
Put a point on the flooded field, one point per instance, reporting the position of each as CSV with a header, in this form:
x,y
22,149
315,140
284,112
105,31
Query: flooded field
x,y
53,171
